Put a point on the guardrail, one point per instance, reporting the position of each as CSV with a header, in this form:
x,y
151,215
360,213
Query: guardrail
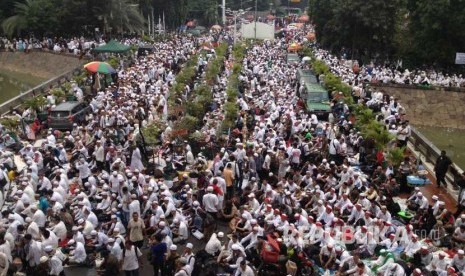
x,y
420,87
38,90
430,152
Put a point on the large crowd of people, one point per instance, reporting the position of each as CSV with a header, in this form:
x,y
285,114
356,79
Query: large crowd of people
x,y
289,193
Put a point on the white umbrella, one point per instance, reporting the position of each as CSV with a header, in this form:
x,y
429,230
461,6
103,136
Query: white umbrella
x,y
306,58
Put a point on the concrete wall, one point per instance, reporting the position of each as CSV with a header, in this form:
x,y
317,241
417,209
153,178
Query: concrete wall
x,y
45,65
431,107
57,68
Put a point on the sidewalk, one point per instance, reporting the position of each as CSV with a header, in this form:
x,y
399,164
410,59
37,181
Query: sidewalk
x,y
449,195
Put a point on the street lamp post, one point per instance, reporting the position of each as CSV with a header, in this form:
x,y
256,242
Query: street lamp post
x,y
224,12
236,14
255,27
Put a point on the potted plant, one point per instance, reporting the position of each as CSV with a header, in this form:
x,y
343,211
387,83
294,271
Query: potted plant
x,y
37,105
59,94
10,123
395,156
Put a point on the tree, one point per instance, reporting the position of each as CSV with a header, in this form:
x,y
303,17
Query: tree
x,y
77,17
18,22
436,31
175,11
206,11
121,15
365,29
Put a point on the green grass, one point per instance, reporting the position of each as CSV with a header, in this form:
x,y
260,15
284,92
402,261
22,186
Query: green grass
x,y
448,139
12,83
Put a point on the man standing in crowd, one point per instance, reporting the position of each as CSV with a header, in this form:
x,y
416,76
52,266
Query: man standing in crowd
x,y
441,167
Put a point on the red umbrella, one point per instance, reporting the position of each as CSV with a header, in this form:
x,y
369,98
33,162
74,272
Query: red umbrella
x,y
303,18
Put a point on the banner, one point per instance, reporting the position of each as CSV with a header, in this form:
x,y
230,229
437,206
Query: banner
x,y
460,58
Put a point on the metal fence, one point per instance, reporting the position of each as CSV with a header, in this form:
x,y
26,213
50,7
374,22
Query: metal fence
x,y
420,87
430,152
38,90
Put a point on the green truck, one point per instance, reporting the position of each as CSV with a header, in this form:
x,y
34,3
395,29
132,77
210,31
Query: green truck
x,y
316,98
292,58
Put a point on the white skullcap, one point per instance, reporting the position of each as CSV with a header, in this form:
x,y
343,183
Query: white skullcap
x,y
189,245
43,259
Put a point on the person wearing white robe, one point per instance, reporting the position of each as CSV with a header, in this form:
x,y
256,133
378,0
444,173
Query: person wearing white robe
x,y
214,246
78,254
60,230
4,264
392,269
56,258
438,264
136,160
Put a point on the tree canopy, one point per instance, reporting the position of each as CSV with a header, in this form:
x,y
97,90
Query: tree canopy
x,y
70,17
417,31
81,17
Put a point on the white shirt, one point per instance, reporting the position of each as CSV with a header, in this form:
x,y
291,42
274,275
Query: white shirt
x,y
52,240
246,272
39,218
130,260
213,245
56,263
4,264
134,207
116,251
183,230
34,254
6,249
210,202
327,218
79,254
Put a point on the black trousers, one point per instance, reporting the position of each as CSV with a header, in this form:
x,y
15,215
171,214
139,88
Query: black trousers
x,y
158,269
441,178
138,244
